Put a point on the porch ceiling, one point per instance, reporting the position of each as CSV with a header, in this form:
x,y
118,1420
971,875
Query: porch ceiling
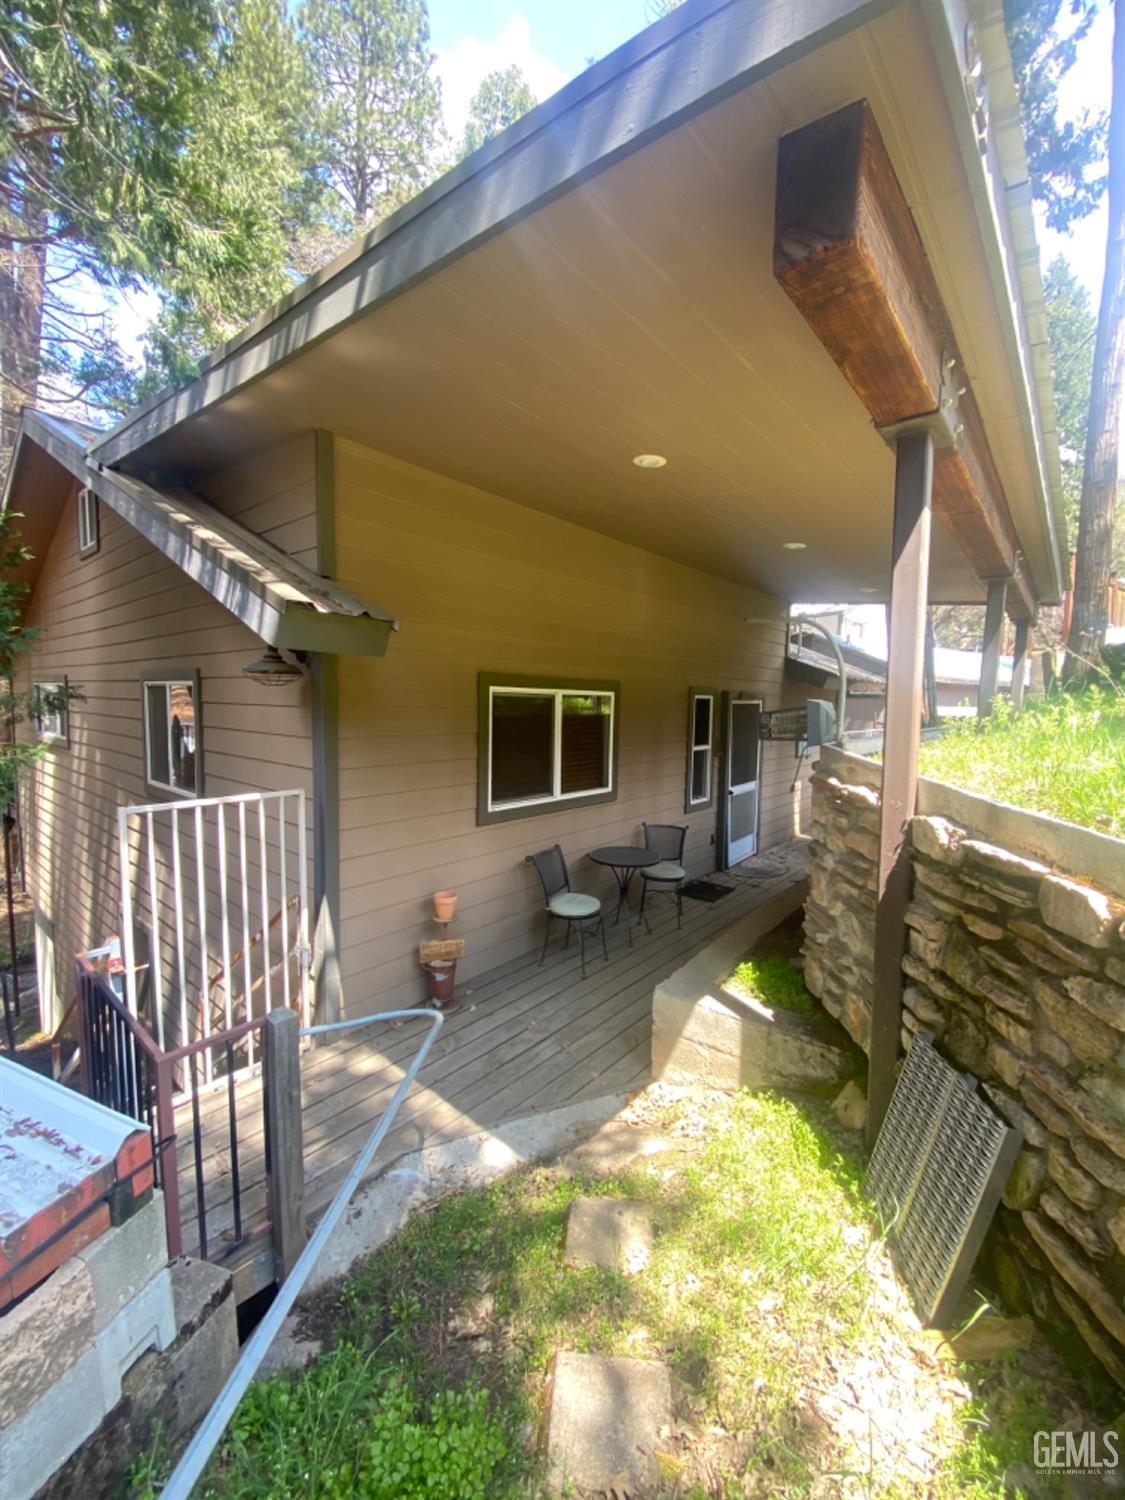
x,y
638,313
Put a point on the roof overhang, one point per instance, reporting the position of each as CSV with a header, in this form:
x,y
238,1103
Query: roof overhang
x,y
284,603
596,282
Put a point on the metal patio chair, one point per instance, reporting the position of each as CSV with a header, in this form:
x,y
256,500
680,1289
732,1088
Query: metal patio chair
x,y
667,840
564,905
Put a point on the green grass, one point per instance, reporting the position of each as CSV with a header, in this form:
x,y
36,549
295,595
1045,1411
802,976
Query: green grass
x,y
759,1295
775,981
768,973
1063,755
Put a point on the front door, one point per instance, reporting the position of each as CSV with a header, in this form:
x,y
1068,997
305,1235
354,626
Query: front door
x,y
742,761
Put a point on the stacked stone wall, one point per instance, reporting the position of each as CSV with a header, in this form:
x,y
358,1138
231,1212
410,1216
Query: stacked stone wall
x,y
1018,971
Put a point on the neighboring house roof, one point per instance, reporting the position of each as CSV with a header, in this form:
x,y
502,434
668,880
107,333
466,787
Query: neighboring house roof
x,y
281,600
863,671
952,668
962,668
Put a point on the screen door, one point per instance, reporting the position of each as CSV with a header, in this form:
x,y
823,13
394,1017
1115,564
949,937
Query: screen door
x,y
742,778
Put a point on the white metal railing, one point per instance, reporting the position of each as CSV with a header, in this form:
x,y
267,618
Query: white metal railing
x,y
204,864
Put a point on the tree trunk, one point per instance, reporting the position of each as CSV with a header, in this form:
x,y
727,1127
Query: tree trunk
x,y
23,275
1099,478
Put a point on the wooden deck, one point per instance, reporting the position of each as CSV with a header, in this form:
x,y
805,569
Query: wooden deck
x,y
525,1039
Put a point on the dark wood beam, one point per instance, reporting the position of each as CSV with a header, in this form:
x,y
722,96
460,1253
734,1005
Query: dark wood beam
x,y
848,254
992,647
910,565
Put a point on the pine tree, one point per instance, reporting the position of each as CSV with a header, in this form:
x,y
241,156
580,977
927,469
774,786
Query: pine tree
x,y
504,96
1071,325
376,104
1094,552
97,98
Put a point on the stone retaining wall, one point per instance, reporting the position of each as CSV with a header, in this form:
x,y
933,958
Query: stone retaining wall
x,y
1017,968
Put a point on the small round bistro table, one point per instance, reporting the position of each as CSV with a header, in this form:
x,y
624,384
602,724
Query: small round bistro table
x,y
624,860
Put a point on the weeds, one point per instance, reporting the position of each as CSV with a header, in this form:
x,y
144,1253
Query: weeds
x,y
767,1295
1063,755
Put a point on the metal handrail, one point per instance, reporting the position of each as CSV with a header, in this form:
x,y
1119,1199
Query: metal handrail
x,y
184,1476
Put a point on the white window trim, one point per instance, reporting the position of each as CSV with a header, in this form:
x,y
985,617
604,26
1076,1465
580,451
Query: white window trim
x,y
166,683
709,746
89,534
557,795
46,737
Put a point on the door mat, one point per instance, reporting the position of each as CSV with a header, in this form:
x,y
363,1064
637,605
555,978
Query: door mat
x,y
706,890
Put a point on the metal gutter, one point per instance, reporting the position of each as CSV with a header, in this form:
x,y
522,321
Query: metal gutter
x,y
996,170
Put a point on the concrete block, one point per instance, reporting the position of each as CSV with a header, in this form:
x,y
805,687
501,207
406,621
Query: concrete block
x,y
43,1336
605,1422
147,1322
185,1381
615,1233
125,1258
728,1042
37,1442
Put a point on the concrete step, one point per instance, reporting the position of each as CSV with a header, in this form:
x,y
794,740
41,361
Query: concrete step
x,y
605,1422
612,1232
618,1146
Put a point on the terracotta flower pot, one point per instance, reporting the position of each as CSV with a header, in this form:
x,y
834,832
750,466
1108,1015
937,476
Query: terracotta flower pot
x,y
445,904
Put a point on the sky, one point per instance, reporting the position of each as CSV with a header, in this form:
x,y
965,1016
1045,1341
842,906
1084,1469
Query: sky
x,y
553,40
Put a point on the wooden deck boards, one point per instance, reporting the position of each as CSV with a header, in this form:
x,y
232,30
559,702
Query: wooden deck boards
x,y
525,1039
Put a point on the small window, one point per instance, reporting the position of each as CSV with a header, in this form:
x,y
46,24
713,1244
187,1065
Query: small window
x,y
51,710
701,749
173,759
544,742
88,522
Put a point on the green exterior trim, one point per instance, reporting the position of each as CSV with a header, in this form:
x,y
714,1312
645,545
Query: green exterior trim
x,y
716,703
579,684
303,629
325,676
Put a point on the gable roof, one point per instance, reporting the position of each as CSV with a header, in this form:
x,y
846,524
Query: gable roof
x,y
281,600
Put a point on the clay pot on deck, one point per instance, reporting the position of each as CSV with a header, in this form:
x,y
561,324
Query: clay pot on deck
x,y
445,904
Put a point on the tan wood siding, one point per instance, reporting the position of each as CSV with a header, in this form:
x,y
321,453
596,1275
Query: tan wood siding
x,y
482,584
102,621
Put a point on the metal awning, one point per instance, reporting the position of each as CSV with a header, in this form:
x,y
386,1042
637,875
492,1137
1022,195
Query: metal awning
x,y
281,600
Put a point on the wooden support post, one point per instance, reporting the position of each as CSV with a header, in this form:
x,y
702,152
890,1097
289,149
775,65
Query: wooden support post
x,y
285,1168
910,563
1020,657
993,645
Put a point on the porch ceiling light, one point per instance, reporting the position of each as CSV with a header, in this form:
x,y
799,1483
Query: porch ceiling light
x,y
869,591
794,546
272,670
649,460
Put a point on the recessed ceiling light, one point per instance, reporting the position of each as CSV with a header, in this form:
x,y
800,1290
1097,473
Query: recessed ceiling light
x,y
650,460
794,546
869,591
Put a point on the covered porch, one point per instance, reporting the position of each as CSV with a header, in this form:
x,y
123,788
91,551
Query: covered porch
x,y
524,1038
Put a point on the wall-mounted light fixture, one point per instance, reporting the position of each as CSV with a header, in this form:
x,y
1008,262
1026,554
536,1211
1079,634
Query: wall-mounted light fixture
x,y
272,670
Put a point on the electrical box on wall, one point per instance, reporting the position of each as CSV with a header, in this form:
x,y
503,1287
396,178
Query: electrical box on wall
x,y
808,726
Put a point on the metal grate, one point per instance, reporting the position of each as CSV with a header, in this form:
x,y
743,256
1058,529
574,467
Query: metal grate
x,y
938,1169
